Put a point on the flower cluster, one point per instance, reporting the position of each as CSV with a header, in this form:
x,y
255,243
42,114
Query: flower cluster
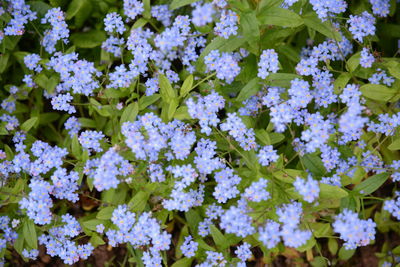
x,y
257,191
226,187
367,59
328,8
73,126
105,170
8,235
267,155
189,247
268,63
381,77
393,206
236,128
58,242
205,110
236,220
91,140
204,119
354,231
227,25
21,14
362,25
309,189
292,236
139,231
76,74
59,29
38,202
225,64
243,252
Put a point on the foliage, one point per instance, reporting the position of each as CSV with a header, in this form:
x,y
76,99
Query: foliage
x,y
199,133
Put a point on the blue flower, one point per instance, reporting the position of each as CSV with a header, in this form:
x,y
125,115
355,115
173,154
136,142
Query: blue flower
x,y
362,25
113,22
268,63
189,247
354,231
309,189
59,29
227,25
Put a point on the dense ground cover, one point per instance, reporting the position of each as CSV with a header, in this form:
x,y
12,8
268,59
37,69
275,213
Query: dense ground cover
x,y
199,133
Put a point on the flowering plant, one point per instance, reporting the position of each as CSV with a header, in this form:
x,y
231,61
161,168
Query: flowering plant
x,y
199,133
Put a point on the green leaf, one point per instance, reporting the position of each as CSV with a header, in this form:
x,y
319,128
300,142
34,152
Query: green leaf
x,y
87,123
96,240
172,106
83,13
394,70
88,39
3,131
180,3
249,23
184,262
20,55
52,83
3,62
308,245
350,202
320,229
27,125
333,246
281,79
30,233
130,112
290,52
168,109
139,201
193,219
353,62
139,23
41,80
378,92
331,192
325,28
287,175
57,3
276,137
74,8
279,17
105,213
10,42
182,114
186,86
221,44
371,184
219,239
117,93
314,164
396,250
19,243
146,101
250,89
166,90
92,224
40,7
147,9
345,254
319,261
341,82
395,145
263,137
76,147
